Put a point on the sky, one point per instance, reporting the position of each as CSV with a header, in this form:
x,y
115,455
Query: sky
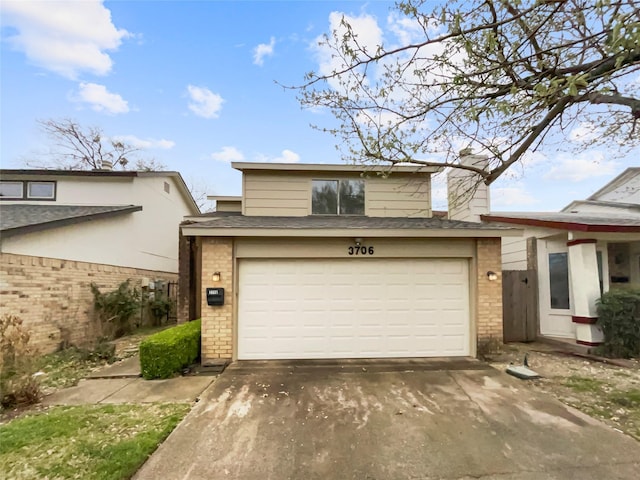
x,y
199,84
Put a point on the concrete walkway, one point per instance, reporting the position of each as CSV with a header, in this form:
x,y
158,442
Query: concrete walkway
x,y
121,383
386,421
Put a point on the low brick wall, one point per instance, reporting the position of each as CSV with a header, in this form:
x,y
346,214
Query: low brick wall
x,y
53,297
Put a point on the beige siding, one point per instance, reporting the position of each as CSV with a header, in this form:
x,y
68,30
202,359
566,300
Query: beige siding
x,y
275,195
235,206
339,248
278,194
398,197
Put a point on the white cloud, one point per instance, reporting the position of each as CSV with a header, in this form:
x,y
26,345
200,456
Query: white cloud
x,y
263,50
100,99
66,37
368,33
149,143
511,197
204,102
287,156
582,167
228,154
584,133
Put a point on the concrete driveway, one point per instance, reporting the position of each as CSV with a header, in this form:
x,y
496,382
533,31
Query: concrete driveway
x,y
386,420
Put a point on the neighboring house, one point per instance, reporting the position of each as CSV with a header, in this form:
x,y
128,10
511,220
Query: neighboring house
x,y
61,230
589,247
340,261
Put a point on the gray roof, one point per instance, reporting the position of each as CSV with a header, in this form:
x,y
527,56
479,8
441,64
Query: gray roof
x,y
591,222
17,219
317,222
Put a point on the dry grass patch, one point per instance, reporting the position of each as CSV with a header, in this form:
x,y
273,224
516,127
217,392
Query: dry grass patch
x,y
607,392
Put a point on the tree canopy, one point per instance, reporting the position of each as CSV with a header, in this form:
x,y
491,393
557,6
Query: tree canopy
x,y
500,77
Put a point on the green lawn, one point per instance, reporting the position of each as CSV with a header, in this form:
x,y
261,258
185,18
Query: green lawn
x,y
85,442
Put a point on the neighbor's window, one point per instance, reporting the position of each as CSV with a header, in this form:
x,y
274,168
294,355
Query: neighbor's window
x,y
559,280
337,197
11,190
41,190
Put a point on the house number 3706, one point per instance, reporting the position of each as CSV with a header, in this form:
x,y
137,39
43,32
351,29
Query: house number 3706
x,y
360,250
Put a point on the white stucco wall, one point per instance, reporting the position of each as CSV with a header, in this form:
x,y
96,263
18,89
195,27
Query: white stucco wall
x,y
147,239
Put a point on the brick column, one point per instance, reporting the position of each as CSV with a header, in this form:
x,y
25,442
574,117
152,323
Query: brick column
x,y
489,292
217,321
584,286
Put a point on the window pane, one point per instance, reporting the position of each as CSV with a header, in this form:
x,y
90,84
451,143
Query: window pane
x,y
11,189
324,197
41,190
559,280
352,197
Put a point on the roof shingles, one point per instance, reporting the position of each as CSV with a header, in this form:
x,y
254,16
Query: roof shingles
x,y
20,218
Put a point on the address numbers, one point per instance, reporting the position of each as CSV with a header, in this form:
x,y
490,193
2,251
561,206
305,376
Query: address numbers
x,y
360,250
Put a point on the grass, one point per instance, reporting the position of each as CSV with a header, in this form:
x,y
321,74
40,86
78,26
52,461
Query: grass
x,y
620,407
102,442
584,384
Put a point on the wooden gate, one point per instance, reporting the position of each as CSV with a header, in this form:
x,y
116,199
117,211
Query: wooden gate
x,y
519,305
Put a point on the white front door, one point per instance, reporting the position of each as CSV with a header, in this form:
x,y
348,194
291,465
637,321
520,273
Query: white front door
x,y
353,308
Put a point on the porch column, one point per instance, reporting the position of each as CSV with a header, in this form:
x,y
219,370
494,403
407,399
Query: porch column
x,y
585,290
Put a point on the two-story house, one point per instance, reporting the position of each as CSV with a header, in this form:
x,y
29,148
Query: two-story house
x,y
571,257
339,261
62,230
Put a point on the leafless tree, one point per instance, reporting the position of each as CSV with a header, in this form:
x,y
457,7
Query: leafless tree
x,y
501,77
81,148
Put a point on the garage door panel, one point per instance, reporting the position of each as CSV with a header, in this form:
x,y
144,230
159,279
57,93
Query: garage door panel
x,y
354,308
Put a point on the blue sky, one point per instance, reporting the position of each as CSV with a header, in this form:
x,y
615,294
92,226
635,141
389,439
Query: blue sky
x,y
194,83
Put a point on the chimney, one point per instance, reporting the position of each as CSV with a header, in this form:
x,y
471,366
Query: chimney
x,y
106,165
468,194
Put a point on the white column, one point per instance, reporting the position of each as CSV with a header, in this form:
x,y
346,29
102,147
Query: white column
x,y
585,290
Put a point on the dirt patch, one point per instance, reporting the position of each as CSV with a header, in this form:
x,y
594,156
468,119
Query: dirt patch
x,y
602,390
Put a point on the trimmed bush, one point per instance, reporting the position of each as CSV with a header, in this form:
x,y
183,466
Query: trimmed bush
x,y
619,318
169,351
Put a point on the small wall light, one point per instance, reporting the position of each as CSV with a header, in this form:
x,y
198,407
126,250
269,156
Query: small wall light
x,y
492,276
215,277
358,241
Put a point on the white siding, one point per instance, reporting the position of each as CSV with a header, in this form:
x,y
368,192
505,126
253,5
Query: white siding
x,y
147,239
627,192
514,253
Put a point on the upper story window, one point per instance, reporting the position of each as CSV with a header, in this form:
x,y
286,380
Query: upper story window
x,y
337,197
11,190
41,190
25,190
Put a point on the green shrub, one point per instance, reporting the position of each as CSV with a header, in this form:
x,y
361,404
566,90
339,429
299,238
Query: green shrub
x,y
160,306
117,307
619,318
169,351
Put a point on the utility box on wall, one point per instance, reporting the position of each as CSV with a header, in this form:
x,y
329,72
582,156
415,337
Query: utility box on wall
x,y
215,296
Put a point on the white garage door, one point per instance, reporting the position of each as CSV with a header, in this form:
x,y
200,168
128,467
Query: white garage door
x,y
364,308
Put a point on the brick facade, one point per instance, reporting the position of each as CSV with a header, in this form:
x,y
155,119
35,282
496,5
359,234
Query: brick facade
x,y
489,292
53,296
217,322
